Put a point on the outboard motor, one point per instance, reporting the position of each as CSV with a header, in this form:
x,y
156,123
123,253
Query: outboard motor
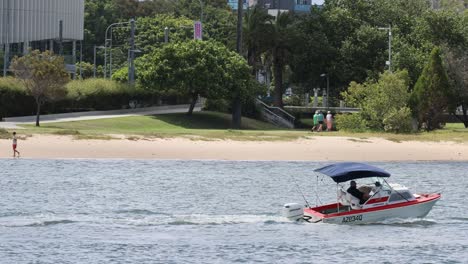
x,y
293,211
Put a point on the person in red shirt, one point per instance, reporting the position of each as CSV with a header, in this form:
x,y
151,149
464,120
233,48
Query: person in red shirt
x,y
15,144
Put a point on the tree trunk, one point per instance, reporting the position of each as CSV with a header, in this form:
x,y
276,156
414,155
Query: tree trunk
x,y
192,104
240,9
252,61
236,113
236,103
38,112
278,70
464,118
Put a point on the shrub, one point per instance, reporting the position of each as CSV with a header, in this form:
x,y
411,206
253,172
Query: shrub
x,y
351,122
103,94
398,121
121,75
87,70
377,99
14,99
294,100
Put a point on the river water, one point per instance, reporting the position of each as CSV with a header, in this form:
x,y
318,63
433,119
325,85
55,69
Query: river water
x,y
137,211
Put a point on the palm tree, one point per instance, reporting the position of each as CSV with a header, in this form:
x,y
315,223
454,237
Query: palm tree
x,y
282,41
256,32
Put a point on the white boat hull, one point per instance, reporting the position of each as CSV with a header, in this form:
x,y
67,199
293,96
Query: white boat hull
x,y
411,211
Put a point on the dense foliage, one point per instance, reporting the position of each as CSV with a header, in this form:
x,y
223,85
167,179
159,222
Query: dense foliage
x,y
383,104
81,95
14,99
346,40
197,68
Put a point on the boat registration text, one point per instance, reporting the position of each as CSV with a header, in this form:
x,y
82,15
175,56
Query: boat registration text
x,y
352,218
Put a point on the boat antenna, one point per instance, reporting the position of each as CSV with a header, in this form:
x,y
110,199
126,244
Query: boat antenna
x,y
297,185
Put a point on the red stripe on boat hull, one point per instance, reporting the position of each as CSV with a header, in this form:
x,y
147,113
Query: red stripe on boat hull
x,y
424,198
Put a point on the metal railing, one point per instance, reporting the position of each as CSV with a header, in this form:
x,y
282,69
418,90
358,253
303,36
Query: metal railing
x,y
277,115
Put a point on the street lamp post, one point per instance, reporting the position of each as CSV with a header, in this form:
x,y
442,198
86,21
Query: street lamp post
x,y
328,86
131,65
96,47
389,62
106,39
166,35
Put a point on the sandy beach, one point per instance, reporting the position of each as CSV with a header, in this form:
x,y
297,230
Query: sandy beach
x,y
313,149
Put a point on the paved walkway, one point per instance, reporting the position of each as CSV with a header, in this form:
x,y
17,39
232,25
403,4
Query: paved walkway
x,y
13,122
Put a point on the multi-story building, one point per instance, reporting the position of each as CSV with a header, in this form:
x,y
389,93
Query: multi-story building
x,y
282,5
40,24
234,3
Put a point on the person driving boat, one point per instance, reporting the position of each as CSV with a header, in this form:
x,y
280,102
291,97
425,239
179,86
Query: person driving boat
x,y
354,191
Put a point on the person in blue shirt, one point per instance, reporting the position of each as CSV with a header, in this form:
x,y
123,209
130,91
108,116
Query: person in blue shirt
x,y
320,121
314,128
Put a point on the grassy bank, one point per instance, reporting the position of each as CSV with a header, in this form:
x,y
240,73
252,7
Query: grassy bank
x,y
213,126
202,125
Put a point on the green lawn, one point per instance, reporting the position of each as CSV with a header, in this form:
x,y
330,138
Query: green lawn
x,y
212,126
201,125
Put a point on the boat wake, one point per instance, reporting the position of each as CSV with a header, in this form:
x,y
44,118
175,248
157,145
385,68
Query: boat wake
x,y
406,222
461,219
53,222
139,212
138,218
226,219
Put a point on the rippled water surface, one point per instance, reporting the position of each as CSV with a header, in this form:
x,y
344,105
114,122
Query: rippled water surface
x,y
124,211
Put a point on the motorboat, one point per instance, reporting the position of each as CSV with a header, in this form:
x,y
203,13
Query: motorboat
x,y
380,201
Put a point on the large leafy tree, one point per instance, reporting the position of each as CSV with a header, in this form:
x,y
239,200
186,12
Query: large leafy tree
x,y
197,68
219,22
98,16
151,30
432,93
149,35
313,54
342,40
154,7
44,76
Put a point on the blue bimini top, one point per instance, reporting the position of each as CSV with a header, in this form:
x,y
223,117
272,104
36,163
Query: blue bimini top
x,y
346,171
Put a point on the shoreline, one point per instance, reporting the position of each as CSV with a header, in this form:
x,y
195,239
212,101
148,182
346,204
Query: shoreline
x,y
321,148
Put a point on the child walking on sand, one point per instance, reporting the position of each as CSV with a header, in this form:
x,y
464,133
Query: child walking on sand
x,y
15,143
